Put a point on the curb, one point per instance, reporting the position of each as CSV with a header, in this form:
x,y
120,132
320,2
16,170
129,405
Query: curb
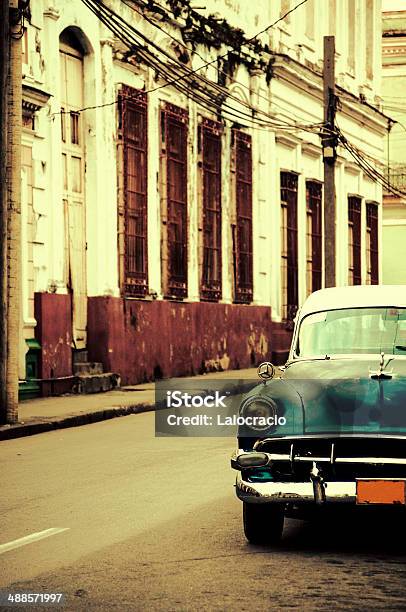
x,y
20,430
41,424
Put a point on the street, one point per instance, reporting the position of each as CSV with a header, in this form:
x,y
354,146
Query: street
x,y
153,524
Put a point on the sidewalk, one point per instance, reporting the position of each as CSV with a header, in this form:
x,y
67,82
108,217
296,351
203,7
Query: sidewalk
x,y
46,414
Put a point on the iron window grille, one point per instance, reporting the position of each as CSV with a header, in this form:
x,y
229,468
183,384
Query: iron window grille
x,y
314,236
372,244
209,138
354,240
174,134
134,123
289,263
242,230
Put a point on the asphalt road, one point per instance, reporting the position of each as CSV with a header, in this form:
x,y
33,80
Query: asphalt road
x,y
153,524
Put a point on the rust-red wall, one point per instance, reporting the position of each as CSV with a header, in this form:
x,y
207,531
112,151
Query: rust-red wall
x,y
281,340
143,340
54,333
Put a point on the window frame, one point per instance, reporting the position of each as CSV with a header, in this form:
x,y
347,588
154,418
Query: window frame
x,y
242,230
210,151
134,103
354,240
372,229
314,242
289,246
175,227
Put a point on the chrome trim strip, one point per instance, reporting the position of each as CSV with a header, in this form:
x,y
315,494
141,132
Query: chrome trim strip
x,y
332,436
291,458
291,455
376,460
297,492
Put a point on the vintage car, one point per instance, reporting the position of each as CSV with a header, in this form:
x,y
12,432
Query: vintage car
x,y
330,427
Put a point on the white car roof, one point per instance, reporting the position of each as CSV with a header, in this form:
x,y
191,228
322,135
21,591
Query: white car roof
x,y
357,296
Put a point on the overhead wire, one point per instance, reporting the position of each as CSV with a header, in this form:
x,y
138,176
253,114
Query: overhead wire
x,y
119,27
367,166
217,68
193,88
130,31
357,154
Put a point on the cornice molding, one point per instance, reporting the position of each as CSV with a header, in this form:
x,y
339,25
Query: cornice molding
x,y
33,99
312,150
287,140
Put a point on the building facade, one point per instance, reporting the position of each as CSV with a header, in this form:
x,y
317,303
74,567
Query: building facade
x,y
172,214
393,88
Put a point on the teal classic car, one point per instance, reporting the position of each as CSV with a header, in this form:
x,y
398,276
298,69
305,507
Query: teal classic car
x,y
329,427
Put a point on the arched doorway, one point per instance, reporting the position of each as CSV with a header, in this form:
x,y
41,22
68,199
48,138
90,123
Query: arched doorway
x,y
71,55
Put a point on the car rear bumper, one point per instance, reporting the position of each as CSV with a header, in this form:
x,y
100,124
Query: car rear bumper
x,y
294,492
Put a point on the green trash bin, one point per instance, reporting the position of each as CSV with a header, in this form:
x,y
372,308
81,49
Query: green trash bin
x,y
31,388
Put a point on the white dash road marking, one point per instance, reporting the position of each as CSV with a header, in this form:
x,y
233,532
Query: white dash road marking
x,y
33,537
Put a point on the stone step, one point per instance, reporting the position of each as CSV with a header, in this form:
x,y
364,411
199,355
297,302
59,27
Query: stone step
x,y
87,367
96,383
80,356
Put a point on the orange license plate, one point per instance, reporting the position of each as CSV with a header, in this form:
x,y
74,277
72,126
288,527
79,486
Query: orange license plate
x,y
381,492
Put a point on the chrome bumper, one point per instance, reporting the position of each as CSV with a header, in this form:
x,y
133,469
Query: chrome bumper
x,y
293,492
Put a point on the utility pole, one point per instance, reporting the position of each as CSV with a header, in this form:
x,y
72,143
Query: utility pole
x,y
14,210
329,157
4,68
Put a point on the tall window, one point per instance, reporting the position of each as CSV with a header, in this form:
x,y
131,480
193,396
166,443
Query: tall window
x,y
289,265
354,240
174,128
372,244
314,236
242,230
210,146
133,107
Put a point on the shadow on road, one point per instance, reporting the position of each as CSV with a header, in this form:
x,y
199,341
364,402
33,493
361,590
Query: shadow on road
x,y
356,531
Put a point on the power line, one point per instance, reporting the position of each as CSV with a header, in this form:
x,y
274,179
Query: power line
x,y
218,69
127,33
278,20
206,64
366,165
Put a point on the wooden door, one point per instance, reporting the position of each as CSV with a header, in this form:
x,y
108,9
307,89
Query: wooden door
x,y
73,188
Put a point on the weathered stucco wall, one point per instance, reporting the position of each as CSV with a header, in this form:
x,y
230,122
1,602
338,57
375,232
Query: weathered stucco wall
x,y
138,339
147,340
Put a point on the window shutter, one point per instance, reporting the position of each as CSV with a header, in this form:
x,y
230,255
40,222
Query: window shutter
x,y
373,254
314,235
175,133
289,183
134,123
243,251
354,240
210,138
